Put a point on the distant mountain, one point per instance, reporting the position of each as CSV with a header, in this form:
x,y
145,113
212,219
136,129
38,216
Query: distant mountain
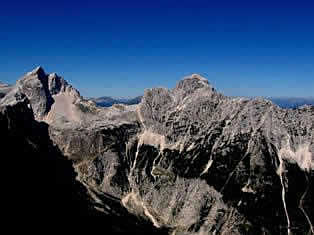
x,y
185,161
4,89
283,102
107,101
292,102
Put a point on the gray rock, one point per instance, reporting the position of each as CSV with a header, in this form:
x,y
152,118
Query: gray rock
x,y
40,182
40,89
192,160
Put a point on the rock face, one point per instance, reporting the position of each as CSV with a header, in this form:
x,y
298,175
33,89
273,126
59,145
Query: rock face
x,y
44,91
39,182
190,160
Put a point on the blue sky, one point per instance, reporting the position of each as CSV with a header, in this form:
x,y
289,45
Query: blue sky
x,y
119,48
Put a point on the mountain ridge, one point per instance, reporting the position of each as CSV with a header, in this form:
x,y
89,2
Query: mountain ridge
x,y
283,102
192,160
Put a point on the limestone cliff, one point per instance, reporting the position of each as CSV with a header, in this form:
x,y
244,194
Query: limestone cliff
x,y
190,160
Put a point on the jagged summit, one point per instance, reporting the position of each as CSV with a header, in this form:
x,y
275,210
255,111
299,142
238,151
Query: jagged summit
x,y
40,73
187,159
45,78
196,76
54,101
194,82
47,93
53,75
36,71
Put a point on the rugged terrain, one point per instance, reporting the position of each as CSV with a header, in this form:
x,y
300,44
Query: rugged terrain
x,y
188,160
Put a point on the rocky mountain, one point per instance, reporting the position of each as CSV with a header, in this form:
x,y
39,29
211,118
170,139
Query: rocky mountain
x,y
188,160
48,92
40,189
283,102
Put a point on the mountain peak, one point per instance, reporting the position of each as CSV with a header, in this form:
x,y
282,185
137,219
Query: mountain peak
x,y
39,71
197,77
193,82
53,76
40,88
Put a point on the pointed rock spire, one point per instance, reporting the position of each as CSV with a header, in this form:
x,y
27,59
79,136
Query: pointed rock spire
x,y
37,71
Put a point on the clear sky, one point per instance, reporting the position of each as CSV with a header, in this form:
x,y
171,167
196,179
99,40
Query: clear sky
x,y
118,48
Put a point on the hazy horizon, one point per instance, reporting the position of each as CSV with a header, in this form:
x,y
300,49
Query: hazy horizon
x,y
120,48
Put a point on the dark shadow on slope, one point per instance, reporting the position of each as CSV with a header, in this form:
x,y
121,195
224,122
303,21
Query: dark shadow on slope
x,y
39,186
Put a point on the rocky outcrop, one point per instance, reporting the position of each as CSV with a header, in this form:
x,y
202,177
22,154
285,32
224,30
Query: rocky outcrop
x,y
45,91
241,148
193,161
39,184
